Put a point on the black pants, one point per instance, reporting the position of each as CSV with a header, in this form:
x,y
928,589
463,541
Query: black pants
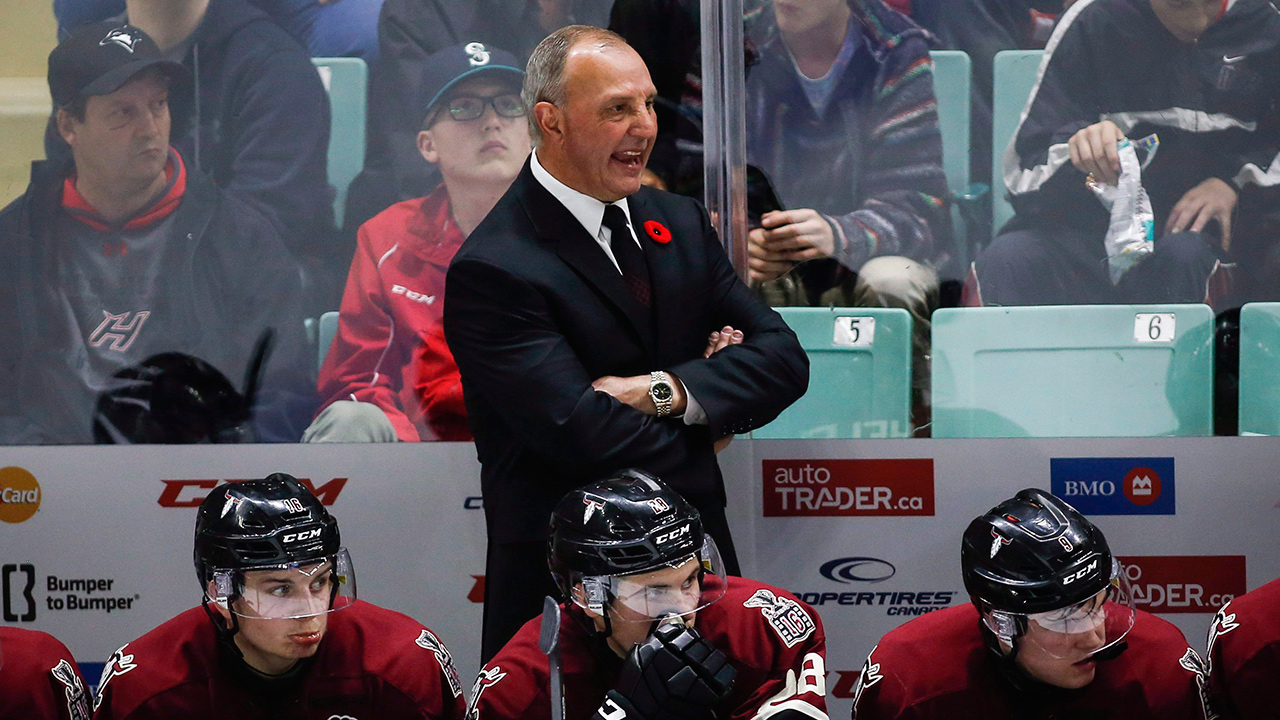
x,y
517,579
1037,267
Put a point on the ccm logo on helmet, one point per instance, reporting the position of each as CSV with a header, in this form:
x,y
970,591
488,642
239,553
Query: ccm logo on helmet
x,y
1081,572
300,536
673,535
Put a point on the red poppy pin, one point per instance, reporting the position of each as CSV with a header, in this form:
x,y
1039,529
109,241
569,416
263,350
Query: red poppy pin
x,y
657,231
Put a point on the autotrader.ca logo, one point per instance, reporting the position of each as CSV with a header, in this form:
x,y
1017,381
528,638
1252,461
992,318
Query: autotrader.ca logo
x,y
858,569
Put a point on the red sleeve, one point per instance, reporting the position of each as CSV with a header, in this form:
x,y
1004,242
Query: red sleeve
x,y
40,679
872,699
789,632
361,363
439,386
508,689
1242,667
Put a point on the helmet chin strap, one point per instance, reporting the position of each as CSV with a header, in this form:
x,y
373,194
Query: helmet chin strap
x,y
226,635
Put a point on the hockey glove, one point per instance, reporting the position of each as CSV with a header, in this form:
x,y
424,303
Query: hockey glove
x,y
674,675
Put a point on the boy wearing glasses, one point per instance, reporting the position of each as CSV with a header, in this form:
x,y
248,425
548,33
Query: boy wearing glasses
x,y
1051,633
279,634
389,375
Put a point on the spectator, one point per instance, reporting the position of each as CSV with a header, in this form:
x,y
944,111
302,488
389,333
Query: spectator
x,y
326,28
389,349
255,117
842,119
120,253
409,31
1244,656
1211,96
1051,632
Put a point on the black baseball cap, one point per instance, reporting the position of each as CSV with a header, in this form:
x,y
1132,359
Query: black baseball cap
x,y
446,68
98,59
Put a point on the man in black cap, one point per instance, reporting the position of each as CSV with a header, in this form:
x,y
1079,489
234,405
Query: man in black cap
x,y
389,374
120,254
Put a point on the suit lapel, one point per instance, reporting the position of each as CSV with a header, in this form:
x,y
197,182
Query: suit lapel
x,y
554,224
664,262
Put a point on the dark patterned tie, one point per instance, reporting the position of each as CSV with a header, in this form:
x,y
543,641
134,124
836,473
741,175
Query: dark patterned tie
x,y
635,271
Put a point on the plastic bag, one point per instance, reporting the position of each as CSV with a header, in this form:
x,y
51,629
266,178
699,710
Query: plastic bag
x,y
1131,232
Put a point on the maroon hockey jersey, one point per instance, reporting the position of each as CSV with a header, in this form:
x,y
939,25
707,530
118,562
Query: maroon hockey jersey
x,y
38,678
774,641
1244,655
372,663
937,666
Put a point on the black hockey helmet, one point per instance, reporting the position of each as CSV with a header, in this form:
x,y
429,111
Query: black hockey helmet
x,y
271,524
628,525
1033,557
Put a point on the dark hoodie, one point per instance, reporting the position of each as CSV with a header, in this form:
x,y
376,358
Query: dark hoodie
x,y
206,281
256,119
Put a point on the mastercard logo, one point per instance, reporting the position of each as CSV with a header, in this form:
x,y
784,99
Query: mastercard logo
x,y
19,495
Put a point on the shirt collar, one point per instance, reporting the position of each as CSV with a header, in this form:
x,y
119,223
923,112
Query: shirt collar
x,y
588,210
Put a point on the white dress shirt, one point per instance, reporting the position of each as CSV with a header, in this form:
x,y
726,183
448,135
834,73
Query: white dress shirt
x,y
590,212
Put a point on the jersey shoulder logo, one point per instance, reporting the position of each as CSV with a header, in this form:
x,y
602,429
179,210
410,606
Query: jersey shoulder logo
x,y
869,676
428,641
119,664
785,615
77,700
488,677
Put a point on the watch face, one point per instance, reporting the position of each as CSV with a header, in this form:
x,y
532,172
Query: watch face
x,y
661,392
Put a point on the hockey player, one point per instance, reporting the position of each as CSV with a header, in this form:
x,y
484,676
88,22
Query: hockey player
x,y
652,627
39,678
1051,633
1244,656
280,633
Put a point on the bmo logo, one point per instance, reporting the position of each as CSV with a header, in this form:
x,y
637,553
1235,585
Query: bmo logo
x,y
1142,486
1115,486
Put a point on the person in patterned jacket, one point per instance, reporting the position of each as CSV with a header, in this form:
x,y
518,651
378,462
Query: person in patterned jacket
x,y
842,119
651,627
1051,634
279,634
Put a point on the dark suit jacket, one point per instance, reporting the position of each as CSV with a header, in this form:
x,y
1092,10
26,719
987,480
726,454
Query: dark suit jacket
x,y
535,312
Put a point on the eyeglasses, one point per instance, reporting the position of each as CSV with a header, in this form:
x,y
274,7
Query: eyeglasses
x,y
470,107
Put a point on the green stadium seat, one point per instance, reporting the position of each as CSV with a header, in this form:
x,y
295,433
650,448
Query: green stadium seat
x,y
1013,77
1073,371
346,80
951,78
327,328
859,375
1260,369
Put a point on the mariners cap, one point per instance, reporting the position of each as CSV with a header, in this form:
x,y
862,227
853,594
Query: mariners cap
x,y
98,59
446,68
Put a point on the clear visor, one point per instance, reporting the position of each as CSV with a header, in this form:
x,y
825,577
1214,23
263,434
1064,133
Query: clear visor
x,y
1080,631
680,588
289,591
